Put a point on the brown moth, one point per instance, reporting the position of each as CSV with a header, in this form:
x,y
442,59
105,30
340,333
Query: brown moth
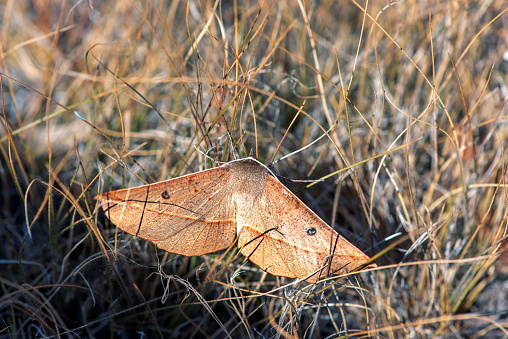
x,y
241,200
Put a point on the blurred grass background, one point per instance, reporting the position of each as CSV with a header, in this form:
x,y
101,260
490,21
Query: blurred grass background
x,y
158,81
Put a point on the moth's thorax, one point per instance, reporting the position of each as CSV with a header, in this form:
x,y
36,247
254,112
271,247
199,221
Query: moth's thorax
x,y
247,177
247,184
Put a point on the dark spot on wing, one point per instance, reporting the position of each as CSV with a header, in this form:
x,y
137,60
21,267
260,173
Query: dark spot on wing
x,y
311,231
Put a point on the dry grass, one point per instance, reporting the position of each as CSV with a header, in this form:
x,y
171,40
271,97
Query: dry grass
x,y
426,75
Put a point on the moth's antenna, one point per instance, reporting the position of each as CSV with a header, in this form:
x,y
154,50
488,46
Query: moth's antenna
x,y
207,156
299,180
236,156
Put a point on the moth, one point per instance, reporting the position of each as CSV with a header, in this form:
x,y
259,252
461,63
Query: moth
x,y
242,201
